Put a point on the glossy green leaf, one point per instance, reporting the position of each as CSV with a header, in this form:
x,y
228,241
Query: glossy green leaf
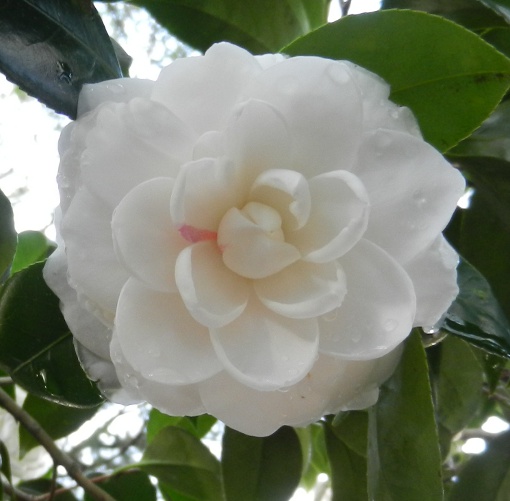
x,y
348,469
499,38
404,461
261,468
351,427
314,454
459,386
485,477
197,426
32,247
476,316
57,420
7,236
50,49
132,484
36,347
469,13
178,459
262,26
448,76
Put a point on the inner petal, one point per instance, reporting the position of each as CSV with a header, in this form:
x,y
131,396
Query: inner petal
x,y
253,243
286,191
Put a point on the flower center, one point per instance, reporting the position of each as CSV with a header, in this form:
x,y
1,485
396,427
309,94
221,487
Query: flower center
x,y
192,234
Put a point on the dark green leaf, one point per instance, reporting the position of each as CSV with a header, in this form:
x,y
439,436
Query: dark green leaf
x,y
7,236
33,246
198,426
469,13
476,315
348,469
57,420
403,453
499,38
315,455
351,427
502,7
50,49
261,468
262,26
132,484
44,486
36,347
5,467
485,477
448,76
459,385
181,461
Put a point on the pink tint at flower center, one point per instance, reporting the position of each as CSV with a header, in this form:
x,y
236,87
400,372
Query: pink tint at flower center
x,y
192,234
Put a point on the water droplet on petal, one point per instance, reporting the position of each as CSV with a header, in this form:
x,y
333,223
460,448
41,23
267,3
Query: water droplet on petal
x,y
331,315
390,325
116,88
338,73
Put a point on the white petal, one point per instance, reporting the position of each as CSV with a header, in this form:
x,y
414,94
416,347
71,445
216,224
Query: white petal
x,y
257,139
266,351
181,400
213,295
249,249
131,143
204,190
434,275
93,266
159,338
287,192
303,290
146,240
413,192
338,219
322,109
203,90
119,90
378,311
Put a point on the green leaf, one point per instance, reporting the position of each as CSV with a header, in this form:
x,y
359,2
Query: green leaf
x,y
43,486
313,444
57,420
469,13
50,49
132,484
198,426
7,236
36,347
33,246
459,385
262,26
499,38
351,427
179,460
348,469
502,7
485,477
448,76
475,315
258,469
5,466
404,461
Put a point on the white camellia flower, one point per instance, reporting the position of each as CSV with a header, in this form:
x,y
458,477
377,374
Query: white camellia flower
x,y
251,237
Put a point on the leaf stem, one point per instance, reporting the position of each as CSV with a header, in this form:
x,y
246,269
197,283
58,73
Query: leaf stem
x,y
58,456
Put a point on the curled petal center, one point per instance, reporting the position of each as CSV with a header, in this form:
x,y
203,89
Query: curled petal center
x,y
193,235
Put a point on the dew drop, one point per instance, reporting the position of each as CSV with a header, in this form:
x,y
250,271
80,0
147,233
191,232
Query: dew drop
x,y
390,325
331,315
338,74
116,88
419,197
430,329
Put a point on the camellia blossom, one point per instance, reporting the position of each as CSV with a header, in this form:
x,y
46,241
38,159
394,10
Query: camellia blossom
x,y
251,237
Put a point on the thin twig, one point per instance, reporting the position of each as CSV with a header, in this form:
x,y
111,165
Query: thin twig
x,y
58,456
16,493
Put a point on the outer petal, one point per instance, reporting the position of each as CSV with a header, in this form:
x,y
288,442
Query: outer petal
x,y
93,267
287,192
213,295
434,275
257,139
204,190
378,311
322,108
160,340
180,400
303,290
413,192
141,139
338,219
146,240
120,90
266,351
203,91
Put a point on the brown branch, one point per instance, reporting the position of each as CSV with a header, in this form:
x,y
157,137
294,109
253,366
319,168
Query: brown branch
x,y
59,457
